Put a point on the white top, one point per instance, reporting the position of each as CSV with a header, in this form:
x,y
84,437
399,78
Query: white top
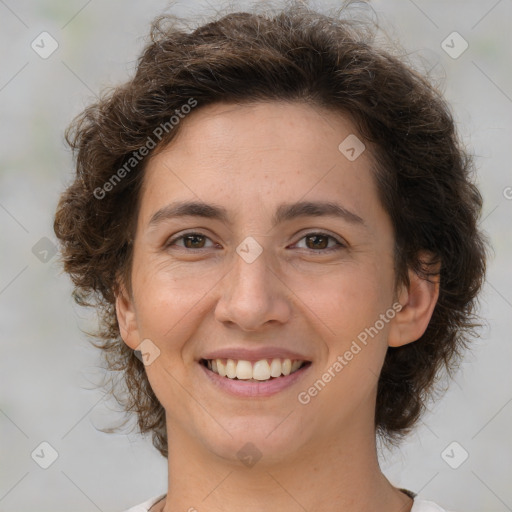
x,y
144,507
418,506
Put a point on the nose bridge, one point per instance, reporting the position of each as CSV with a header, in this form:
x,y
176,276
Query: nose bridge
x,y
252,271
252,295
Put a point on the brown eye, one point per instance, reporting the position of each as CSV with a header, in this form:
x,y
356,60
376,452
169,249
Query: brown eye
x,y
194,241
190,241
319,242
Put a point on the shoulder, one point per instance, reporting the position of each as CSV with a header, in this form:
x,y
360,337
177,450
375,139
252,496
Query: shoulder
x,y
426,506
144,507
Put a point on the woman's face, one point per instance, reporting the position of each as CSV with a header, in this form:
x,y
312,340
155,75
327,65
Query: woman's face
x,y
264,271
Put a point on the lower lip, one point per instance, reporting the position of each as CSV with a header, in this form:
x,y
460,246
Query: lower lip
x,y
255,389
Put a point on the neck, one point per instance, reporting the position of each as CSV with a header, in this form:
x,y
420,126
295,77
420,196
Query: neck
x,y
339,473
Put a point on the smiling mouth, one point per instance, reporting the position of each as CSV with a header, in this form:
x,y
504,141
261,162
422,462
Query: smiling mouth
x,y
258,371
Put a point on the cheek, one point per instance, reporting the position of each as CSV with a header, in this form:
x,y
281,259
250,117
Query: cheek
x,y
167,298
350,303
346,299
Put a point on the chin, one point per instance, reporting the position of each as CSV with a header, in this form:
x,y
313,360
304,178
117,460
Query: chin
x,y
256,440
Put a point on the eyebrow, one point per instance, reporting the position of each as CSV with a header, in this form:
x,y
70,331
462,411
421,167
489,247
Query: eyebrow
x,y
285,212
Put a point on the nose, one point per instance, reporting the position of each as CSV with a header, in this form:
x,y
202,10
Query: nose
x,y
253,296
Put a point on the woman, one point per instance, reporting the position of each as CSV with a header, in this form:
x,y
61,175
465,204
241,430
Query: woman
x,y
277,224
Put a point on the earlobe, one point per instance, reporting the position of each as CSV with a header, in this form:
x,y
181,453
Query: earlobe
x,y
126,318
418,301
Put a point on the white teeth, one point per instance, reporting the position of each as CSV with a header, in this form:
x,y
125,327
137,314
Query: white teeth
x,y
231,369
221,368
260,370
275,368
244,370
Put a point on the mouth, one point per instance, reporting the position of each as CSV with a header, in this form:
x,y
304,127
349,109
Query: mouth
x,y
264,370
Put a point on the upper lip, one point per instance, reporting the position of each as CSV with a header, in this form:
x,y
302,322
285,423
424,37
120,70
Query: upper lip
x,y
255,354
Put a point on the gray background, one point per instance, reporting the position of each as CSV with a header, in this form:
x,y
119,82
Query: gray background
x,y
48,369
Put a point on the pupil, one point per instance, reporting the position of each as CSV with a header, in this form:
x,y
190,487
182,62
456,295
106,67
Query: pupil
x,y
321,245
192,239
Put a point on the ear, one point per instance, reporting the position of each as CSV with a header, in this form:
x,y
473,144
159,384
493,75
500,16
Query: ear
x,y
418,301
126,318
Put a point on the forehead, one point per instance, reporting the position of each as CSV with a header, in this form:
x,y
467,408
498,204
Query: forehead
x,y
259,153
284,126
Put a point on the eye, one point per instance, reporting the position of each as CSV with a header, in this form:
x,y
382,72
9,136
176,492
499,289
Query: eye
x,y
319,242
190,241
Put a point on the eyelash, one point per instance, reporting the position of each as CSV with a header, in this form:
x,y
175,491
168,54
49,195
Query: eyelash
x,y
339,245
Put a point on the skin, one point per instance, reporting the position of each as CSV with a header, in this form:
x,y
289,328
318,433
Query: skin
x,y
249,159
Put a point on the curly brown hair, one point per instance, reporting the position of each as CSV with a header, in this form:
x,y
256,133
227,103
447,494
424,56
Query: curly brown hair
x,y
423,173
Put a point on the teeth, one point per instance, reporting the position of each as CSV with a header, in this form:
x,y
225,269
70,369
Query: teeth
x,y
244,370
275,368
221,368
260,370
286,367
231,369
295,365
